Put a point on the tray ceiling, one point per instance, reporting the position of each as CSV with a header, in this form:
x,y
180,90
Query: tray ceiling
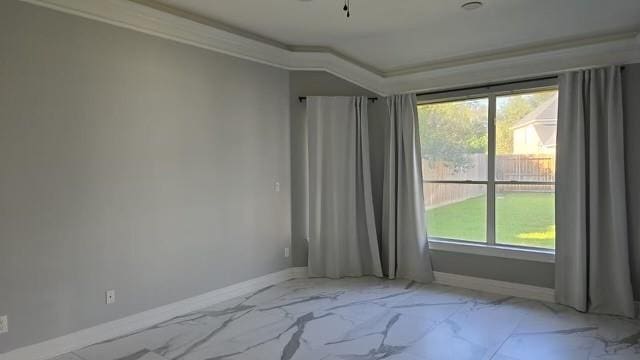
x,y
395,36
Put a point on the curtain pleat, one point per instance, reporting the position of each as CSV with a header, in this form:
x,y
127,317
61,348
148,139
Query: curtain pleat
x,y
404,236
343,240
592,250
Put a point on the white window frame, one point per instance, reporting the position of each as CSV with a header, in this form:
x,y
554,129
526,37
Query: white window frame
x,y
489,247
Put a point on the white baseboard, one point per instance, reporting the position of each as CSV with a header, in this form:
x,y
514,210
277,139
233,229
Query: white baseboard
x,y
298,272
481,284
71,342
495,286
77,340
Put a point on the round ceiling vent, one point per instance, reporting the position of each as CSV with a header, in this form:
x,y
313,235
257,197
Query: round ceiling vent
x,y
472,5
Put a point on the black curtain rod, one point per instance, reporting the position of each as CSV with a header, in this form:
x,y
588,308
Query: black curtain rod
x,y
475,87
487,86
302,98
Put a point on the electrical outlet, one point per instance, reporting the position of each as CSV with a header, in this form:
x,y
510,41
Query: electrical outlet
x,y
276,186
110,296
4,324
286,252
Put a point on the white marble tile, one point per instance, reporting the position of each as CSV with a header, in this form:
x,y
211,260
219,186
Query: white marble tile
x,y
443,343
369,318
433,302
151,356
69,356
551,345
551,332
503,357
616,338
474,331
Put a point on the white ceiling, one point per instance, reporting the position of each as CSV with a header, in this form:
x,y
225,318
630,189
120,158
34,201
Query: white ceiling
x,y
395,35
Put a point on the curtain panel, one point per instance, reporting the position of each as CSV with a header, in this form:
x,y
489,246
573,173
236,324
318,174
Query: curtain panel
x,y
343,240
404,233
592,251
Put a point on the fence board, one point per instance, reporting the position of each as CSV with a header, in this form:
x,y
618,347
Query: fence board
x,y
538,167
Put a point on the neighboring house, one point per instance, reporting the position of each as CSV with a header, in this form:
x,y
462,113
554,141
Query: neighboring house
x,y
535,133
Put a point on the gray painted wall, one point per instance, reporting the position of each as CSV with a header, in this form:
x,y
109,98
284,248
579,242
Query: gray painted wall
x,y
146,166
320,83
133,163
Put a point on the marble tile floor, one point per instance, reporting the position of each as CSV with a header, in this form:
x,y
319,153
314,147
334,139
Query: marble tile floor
x,y
370,318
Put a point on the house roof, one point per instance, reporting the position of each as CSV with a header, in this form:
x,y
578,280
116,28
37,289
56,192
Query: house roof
x,y
547,112
546,134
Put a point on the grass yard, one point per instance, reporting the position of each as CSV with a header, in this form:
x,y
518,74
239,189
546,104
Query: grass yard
x,y
522,218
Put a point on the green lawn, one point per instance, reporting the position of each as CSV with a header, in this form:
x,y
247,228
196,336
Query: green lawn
x,y
521,219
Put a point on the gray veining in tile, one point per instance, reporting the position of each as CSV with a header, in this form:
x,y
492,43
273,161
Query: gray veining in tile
x,y
69,356
374,319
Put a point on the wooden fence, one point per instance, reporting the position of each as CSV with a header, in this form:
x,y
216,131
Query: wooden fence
x,y
534,168
526,167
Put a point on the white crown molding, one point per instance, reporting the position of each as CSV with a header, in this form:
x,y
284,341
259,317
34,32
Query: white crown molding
x,y
612,52
136,16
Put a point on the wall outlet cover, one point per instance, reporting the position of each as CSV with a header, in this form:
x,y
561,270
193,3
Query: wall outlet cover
x,y
4,324
110,296
286,252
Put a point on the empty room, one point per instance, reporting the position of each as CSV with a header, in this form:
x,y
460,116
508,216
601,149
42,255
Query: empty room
x,y
319,179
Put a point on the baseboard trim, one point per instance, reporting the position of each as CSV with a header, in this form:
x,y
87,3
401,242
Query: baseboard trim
x,y
77,340
495,286
299,272
74,341
481,284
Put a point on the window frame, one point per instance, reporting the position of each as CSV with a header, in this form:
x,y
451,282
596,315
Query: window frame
x,y
489,247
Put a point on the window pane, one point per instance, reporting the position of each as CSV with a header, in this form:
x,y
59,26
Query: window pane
x,y
453,136
525,215
456,211
526,136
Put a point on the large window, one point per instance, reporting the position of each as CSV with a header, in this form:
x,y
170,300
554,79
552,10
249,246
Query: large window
x,y
489,167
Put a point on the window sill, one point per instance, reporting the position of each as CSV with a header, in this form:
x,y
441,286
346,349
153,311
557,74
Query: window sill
x,y
540,255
